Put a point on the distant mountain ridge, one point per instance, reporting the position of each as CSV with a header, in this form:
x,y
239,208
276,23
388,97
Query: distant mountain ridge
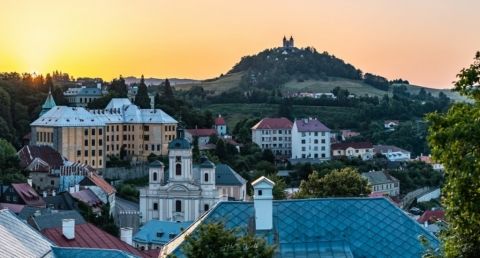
x,y
158,81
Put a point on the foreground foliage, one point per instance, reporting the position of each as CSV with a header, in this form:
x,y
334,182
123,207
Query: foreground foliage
x,y
215,241
454,138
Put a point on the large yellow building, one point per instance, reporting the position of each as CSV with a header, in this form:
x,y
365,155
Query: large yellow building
x,y
91,136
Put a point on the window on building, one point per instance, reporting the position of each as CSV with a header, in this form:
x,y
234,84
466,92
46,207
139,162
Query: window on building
x,y
146,146
108,137
323,140
93,131
52,182
259,192
323,155
118,128
158,147
303,141
155,176
100,131
86,142
100,162
124,137
315,141
124,128
146,128
206,207
178,206
93,153
206,177
93,162
315,155
100,152
86,131
178,170
93,142
86,153
155,206
146,137
100,142
79,153
108,129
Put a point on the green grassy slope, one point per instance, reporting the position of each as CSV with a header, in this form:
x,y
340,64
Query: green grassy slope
x,y
333,117
219,85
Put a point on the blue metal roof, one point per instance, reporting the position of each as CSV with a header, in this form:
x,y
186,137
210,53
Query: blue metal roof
x,y
77,252
331,227
225,175
166,229
179,143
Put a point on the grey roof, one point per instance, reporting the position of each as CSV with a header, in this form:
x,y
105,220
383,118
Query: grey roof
x,y
117,111
225,175
83,91
62,201
379,177
207,163
54,220
388,148
17,239
156,163
310,125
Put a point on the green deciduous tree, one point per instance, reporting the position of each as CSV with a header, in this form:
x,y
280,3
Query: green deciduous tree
x,y
345,182
214,241
454,138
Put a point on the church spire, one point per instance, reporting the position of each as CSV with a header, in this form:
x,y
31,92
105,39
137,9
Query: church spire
x,y
49,103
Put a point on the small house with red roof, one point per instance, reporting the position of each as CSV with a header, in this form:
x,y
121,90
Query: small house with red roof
x,y
274,134
310,140
220,125
22,194
203,135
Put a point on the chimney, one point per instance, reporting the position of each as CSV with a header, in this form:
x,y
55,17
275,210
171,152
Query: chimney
x,y
263,203
29,181
44,194
425,224
77,187
71,189
126,235
54,193
68,228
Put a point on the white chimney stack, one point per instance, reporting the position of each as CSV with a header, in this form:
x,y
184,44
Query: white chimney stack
x,y
71,189
126,235
54,193
68,228
77,187
44,194
29,181
263,203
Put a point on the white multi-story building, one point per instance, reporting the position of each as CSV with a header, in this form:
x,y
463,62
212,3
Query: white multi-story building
x,y
186,192
310,140
274,134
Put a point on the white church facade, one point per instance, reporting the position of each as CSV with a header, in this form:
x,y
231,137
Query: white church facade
x,y
184,192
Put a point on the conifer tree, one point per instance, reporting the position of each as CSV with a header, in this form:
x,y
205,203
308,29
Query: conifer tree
x,y
142,100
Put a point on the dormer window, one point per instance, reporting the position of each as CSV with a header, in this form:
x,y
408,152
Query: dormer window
x,y
206,177
155,176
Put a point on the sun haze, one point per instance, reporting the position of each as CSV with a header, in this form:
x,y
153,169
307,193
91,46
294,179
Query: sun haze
x,y
425,42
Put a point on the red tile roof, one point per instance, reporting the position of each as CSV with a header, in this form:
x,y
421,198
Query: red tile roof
x,y
219,121
100,182
431,216
202,132
89,236
28,195
46,153
311,125
355,145
274,123
88,197
15,208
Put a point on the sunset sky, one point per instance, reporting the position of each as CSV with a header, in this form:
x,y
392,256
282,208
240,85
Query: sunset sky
x,y
425,42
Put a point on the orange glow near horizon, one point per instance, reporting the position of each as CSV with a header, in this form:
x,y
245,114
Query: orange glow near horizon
x,y
426,42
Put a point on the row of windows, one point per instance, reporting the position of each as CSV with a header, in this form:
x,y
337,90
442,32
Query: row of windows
x,y
169,128
280,145
315,155
93,162
153,147
93,131
312,134
178,206
264,139
100,142
315,141
44,137
315,148
266,132
82,100
79,153
383,187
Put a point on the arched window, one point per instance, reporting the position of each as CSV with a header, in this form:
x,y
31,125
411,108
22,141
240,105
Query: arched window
x,y
154,176
206,177
178,170
178,206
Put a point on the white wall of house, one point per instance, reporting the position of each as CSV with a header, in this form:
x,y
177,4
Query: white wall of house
x,y
279,141
392,189
314,145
